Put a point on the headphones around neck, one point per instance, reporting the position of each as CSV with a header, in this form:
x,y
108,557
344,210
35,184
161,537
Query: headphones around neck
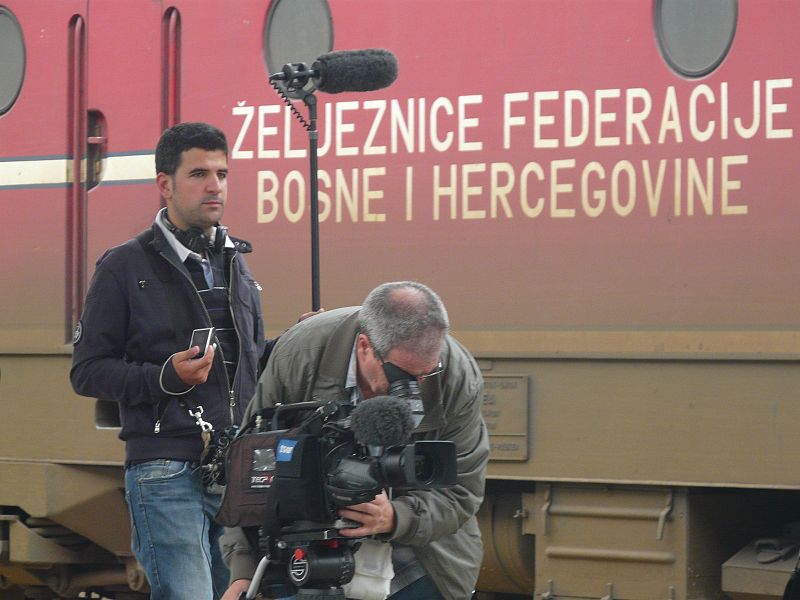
x,y
196,240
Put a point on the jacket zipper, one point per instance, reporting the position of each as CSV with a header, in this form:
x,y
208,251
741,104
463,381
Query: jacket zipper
x,y
231,391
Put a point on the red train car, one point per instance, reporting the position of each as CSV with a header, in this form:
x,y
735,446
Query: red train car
x,y
602,192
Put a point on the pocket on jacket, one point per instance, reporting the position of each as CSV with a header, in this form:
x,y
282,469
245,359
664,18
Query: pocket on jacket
x,y
153,320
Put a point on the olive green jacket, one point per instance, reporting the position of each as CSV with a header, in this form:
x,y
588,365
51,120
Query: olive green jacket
x,y
310,362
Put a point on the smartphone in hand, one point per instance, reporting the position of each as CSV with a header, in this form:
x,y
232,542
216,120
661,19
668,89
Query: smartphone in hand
x,y
202,338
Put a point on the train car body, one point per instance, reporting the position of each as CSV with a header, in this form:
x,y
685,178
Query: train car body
x,y
603,193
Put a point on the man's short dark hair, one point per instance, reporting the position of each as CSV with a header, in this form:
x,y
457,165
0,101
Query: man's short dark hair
x,y
404,314
182,137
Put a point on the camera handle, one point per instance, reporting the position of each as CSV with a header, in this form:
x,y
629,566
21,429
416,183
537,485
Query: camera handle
x,y
255,583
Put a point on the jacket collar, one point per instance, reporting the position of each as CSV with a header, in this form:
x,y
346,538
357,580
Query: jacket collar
x,y
332,371
161,246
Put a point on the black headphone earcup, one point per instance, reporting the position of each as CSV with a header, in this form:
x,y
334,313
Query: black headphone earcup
x,y
220,237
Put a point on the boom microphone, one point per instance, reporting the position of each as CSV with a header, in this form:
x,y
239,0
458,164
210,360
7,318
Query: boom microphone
x,y
381,421
355,70
343,71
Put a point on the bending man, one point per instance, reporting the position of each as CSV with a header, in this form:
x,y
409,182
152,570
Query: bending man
x,y
344,354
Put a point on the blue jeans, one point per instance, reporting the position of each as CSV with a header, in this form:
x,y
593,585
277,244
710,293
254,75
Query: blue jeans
x,y
174,535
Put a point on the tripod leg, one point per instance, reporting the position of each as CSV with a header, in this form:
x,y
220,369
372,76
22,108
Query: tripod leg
x,y
252,591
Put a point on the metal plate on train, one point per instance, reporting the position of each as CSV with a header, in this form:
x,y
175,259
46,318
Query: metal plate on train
x,y
505,410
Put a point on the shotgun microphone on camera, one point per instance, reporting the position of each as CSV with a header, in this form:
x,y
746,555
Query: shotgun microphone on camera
x,y
381,422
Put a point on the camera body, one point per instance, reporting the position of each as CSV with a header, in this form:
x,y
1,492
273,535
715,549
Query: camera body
x,y
318,473
337,456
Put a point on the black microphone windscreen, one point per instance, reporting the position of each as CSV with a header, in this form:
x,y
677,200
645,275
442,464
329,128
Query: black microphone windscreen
x,y
355,70
381,421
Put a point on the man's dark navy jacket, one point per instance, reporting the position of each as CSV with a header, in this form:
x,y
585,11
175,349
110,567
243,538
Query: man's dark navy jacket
x,y
141,308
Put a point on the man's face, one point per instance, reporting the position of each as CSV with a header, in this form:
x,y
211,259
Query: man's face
x,y
373,380
196,194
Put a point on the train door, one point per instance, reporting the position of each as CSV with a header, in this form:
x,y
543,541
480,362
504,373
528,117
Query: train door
x,y
78,122
79,117
36,77
42,74
126,109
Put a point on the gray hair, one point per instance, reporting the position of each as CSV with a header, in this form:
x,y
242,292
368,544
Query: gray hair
x,y
404,314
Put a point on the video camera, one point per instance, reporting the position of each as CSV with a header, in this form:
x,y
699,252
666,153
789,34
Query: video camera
x,y
324,456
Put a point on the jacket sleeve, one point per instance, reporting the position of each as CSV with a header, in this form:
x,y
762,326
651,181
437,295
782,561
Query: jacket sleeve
x,y
238,554
100,367
423,516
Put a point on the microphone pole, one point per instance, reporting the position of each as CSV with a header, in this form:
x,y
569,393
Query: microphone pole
x,y
334,72
310,100
295,76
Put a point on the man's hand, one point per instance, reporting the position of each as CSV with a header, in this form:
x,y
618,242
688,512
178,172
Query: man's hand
x,y
191,370
304,316
375,516
236,589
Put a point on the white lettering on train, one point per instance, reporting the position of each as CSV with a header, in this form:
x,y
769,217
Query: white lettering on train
x,y
356,196
554,186
345,132
559,189
705,112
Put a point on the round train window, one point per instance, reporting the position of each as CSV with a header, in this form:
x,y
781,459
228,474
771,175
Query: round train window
x,y
695,36
297,32
12,59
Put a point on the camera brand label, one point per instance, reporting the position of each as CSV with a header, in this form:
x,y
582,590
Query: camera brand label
x,y
285,450
259,482
298,569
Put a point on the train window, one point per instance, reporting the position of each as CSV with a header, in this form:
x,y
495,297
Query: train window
x,y
695,36
296,32
96,145
12,59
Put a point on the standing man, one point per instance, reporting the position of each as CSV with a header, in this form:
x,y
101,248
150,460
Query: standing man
x,y
348,355
131,345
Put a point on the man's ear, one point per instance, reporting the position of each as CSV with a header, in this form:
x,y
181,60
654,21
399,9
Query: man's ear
x,y
164,184
362,344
